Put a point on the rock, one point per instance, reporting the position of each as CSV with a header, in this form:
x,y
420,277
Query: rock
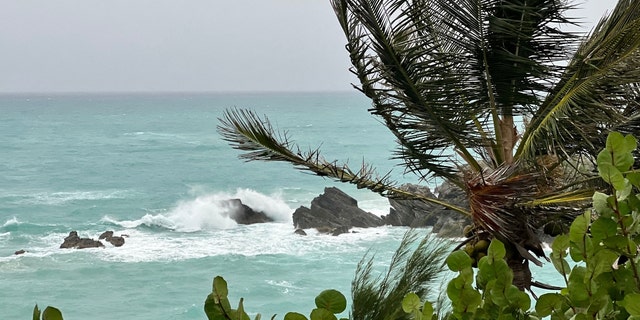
x,y
450,228
74,241
243,214
106,235
116,241
300,232
19,252
420,214
334,209
339,230
412,213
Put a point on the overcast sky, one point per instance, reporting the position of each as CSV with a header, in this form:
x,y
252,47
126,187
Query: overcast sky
x,y
189,45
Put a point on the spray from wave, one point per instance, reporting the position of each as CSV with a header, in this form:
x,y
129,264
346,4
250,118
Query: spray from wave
x,y
210,212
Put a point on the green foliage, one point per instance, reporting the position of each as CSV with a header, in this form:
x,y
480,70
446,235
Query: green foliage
x,y
49,313
413,268
218,307
602,244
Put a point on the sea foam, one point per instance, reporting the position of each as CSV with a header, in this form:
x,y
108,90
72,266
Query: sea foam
x,y
209,212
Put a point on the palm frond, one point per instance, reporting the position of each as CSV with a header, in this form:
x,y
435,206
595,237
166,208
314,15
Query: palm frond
x,y
246,131
597,93
380,297
417,84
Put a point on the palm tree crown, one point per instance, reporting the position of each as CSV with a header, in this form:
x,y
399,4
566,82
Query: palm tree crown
x,y
490,95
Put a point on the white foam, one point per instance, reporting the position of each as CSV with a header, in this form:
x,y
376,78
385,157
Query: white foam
x,y
210,212
11,222
58,198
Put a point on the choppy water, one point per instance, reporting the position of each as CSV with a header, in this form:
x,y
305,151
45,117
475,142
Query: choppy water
x,y
154,168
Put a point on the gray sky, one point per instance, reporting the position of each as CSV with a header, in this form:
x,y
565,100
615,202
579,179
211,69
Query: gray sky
x,y
170,45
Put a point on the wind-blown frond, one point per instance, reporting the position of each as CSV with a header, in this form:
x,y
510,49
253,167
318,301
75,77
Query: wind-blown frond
x,y
246,131
417,85
380,298
597,93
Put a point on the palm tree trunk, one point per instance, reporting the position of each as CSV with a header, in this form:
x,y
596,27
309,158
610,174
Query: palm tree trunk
x,y
509,137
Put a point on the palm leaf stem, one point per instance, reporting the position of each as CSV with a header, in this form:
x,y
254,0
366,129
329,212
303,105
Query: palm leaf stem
x,y
247,132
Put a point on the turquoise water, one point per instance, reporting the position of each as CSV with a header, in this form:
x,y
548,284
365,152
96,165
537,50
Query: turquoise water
x,y
153,167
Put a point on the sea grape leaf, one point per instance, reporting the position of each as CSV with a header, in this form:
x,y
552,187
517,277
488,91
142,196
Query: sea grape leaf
x,y
611,175
427,311
220,286
603,228
631,302
294,316
634,178
548,303
601,204
458,260
518,298
496,249
332,300
411,303
322,314
51,313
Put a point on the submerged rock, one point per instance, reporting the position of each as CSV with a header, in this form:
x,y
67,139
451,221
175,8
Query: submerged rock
x,y
73,241
21,251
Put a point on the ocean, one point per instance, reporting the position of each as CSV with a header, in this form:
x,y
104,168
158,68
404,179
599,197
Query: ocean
x,y
153,167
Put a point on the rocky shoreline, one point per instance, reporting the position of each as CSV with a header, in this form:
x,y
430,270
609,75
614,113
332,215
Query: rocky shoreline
x,y
334,212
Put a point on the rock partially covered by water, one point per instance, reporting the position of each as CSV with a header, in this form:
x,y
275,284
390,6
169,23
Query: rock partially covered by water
x,y
75,242
19,252
334,209
116,241
243,214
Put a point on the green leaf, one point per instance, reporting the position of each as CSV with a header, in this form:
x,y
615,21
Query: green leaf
x,y
294,316
36,313
611,175
560,243
322,314
548,303
411,303
518,298
332,300
631,302
427,311
634,178
601,204
458,260
220,286
603,228
51,313
496,250
561,265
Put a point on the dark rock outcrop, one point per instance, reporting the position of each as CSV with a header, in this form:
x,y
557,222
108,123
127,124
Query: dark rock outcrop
x,y
74,241
334,209
420,214
114,240
412,213
300,232
243,214
19,252
106,235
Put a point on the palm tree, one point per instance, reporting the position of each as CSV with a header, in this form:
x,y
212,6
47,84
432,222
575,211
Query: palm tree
x,y
489,95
